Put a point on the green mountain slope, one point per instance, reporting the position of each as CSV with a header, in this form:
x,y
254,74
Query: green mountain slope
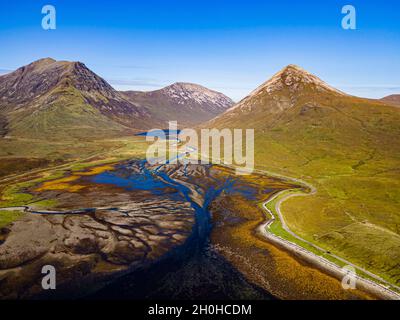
x,y
347,147
187,103
59,99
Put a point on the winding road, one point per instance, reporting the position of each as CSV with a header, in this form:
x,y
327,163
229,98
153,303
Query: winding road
x,y
264,230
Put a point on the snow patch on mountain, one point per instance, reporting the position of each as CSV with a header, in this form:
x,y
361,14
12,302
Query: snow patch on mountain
x,y
197,94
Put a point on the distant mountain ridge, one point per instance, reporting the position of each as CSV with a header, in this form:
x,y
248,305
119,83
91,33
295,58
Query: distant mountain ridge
x,y
393,99
188,103
61,99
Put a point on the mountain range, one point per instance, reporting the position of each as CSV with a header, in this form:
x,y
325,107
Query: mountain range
x,y
59,99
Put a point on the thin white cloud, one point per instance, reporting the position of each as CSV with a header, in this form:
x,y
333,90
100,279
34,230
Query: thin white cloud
x,y
134,67
139,82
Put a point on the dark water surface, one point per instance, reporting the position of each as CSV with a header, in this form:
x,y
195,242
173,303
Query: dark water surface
x,y
162,134
192,271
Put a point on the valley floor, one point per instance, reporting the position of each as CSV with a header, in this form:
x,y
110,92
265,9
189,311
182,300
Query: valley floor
x,y
234,234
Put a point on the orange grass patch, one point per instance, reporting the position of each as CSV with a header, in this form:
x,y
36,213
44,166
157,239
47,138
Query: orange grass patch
x,y
67,184
96,170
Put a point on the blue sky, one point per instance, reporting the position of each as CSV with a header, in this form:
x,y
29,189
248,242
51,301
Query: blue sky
x,y
230,46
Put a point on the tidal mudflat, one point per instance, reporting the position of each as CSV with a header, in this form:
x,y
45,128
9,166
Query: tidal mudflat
x,y
115,230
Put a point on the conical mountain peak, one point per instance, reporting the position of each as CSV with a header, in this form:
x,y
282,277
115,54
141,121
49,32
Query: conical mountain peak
x,y
294,79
